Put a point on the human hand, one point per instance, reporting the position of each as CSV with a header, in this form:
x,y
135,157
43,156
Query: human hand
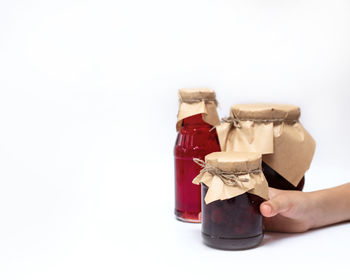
x,y
295,211
288,211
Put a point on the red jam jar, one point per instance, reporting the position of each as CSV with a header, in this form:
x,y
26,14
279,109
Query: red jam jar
x,y
273,130
196,138
231,218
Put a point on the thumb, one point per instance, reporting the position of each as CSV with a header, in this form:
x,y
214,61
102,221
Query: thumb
x,y
278,204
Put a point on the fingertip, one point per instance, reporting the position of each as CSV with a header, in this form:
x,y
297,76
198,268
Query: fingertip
x,y
266,210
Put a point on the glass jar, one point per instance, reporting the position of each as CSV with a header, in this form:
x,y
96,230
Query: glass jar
x,y
276,181
195,139
232,224
233,187
273,130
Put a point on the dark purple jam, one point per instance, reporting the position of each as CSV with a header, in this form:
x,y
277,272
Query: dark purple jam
x,y
276,181
232,224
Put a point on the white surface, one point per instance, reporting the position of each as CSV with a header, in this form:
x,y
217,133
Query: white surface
x,y
88,103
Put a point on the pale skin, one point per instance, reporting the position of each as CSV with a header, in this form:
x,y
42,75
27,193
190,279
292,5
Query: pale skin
x,y
295,211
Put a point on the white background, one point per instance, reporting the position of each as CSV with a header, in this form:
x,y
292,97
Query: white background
x,y
88,103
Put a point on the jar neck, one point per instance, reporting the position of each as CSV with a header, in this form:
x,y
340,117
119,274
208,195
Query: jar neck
x,y
195,120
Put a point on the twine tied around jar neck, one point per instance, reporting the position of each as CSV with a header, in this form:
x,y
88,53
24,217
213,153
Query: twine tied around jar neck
x,y
229,178
196,100
236,122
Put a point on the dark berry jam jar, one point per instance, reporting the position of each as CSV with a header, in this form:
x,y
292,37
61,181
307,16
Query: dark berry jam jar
x,y
276,181
273,130
233,187
232,224
196,138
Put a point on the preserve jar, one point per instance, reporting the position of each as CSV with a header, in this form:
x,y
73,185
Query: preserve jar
x,y
273,130
233,187
232,224
196,138
276,181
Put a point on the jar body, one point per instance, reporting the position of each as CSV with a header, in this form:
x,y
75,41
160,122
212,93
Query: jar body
x,y
276,181
196,139
232,224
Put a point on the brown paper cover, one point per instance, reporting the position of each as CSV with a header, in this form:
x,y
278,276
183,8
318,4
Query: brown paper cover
x,y
233,162
197,101
273,130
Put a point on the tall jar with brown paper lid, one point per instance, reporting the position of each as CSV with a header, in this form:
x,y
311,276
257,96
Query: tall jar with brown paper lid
x,y
196,138
274,131
233,187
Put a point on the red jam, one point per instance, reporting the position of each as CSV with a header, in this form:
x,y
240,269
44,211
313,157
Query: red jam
x,y
276,181
232,224
196,139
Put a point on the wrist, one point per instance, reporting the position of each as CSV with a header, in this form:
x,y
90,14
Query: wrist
x,y
329,206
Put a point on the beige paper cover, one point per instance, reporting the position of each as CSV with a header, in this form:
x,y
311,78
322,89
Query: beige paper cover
x,y
274,131
233,162
197,101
